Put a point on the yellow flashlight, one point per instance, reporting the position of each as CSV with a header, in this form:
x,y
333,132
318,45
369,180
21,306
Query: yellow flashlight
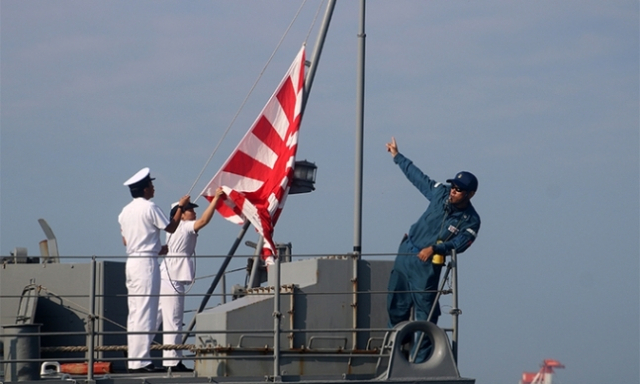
x,y
437,259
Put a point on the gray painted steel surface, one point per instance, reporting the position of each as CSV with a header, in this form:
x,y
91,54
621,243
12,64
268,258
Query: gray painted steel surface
x,y
63,303
316,300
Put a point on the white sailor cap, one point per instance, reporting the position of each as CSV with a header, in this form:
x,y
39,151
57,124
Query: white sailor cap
x,y
142,175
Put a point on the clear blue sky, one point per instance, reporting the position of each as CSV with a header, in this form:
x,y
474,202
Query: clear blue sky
x,y
538,98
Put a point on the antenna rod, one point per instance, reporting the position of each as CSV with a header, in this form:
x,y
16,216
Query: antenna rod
x,y
357,216
357,220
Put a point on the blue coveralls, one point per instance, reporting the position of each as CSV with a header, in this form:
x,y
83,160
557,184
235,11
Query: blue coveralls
x,y
457,229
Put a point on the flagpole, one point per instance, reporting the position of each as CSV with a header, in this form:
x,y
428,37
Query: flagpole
x,y
317,51
315,58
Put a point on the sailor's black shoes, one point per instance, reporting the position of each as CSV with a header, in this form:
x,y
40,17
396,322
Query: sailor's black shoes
x,y
179,368
147,369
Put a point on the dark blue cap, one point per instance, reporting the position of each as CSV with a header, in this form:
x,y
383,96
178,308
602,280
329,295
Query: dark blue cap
x,y
465,181
174,208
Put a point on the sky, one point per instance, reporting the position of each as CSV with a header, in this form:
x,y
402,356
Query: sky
x,y
539,99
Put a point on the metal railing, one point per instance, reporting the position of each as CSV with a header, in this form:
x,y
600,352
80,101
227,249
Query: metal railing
x,y
91,350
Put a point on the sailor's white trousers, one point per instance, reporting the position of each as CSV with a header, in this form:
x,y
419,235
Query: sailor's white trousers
x,y
143,288
171,316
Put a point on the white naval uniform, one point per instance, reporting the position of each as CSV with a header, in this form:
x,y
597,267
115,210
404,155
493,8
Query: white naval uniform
x,y
176,273
141,222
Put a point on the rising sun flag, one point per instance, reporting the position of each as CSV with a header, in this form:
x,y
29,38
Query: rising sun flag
x,y
257,176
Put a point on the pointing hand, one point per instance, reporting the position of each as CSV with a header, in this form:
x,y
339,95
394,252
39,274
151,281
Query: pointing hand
x,y
392,147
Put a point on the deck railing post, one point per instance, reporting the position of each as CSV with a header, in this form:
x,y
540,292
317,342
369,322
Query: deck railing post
x,y
455,311
91,320
276,322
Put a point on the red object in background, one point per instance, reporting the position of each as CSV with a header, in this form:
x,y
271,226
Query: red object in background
x,y
543,375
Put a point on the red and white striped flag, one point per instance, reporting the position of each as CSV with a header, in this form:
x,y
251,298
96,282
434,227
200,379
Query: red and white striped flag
x,y
257,176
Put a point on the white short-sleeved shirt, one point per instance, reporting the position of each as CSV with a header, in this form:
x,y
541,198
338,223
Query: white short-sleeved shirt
x,y
181,243
141,222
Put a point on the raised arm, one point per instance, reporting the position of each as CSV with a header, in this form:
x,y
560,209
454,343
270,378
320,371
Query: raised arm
x,y
175,220
208,213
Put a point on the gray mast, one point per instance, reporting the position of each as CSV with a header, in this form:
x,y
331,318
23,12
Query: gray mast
x,y
357,216
357,219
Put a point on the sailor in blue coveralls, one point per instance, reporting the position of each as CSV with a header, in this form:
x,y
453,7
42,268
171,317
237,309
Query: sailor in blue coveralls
x,y
450,222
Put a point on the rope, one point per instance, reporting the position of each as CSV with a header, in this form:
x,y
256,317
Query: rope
x,y
313,23
117,348
123,348
247,98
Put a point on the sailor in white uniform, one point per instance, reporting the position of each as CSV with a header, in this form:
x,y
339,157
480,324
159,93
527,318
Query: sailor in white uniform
x,y
177,270
140,223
